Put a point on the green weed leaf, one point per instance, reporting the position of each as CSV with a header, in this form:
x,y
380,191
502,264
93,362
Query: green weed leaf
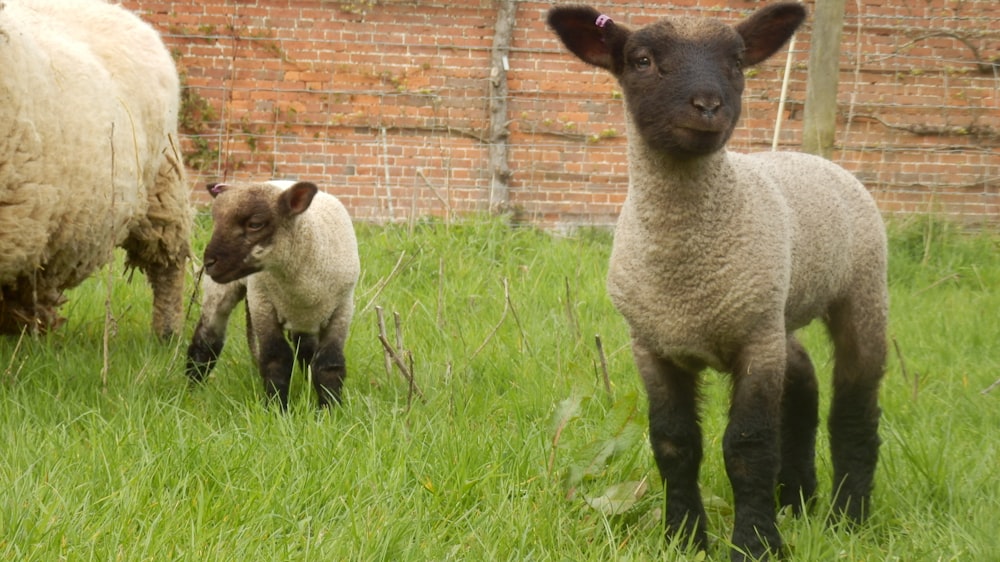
x,y
566,411
626,431
618,498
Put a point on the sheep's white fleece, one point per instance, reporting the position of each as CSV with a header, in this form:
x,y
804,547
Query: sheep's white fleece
x,y
89,99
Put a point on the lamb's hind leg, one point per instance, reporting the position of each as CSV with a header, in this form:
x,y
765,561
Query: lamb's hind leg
x,y
799,419
858,333
675,436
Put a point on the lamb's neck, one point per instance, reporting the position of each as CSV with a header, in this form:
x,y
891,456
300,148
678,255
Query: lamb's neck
x,y
673,183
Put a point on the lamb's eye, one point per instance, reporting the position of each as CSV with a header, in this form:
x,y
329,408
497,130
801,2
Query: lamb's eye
x,y
642,63
255,224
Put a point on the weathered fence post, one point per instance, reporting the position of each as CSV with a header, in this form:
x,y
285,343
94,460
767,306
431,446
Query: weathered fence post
x,y
820,119
498,134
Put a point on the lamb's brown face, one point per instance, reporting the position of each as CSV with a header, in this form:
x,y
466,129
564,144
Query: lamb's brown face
x,y
683,89
245,224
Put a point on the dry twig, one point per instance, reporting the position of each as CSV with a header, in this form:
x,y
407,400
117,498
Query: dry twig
x,y
946,278
109,318
906,375
394,355
570,315
381,330
434,190
902,362
493,332
989,388
604,364
380,286
9,372
508,305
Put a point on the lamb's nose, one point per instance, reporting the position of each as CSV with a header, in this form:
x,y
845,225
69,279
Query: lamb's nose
x,y
209,262
706,104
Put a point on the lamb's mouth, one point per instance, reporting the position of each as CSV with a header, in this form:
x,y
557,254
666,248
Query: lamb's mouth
x,y
223,276
700,139
702,130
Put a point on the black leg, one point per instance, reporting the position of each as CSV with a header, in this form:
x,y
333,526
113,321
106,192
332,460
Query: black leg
x,y
329,369
210,334
675,436
305,349
751,450
275,363
854,444
204,351
858,334
799,420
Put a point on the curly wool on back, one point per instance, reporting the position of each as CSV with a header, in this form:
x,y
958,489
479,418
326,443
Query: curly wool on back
x,y
89,158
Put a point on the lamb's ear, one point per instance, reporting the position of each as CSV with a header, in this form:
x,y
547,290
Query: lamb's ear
x,y
214,189
767,29
590,35
297,198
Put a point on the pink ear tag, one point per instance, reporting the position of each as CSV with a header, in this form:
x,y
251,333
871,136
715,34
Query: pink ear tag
x,y
602,20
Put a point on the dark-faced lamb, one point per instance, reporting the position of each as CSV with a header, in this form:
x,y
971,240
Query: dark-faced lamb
x,y
719,257
89,158
290,251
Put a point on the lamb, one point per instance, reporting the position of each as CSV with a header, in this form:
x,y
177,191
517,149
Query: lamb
x,y
291,252
718,258
89,158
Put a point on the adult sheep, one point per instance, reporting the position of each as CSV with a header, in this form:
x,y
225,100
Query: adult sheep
x,y
89,159
719,257
290,251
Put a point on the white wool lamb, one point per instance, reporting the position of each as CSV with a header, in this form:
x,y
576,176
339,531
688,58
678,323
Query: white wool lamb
x,y
290,251
89,159
719,257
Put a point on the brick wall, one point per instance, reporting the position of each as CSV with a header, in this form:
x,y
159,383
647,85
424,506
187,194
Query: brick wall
x,y
384,103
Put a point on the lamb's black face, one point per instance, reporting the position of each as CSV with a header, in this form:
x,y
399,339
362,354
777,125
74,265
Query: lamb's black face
x,y
683,90
243,231
682,78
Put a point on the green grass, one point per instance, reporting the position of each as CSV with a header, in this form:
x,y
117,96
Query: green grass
x,y
517,451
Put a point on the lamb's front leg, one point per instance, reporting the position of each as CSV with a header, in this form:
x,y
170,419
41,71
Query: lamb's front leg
x,y
675,436
304,346
751,448
275,358
210,334
329,366
329,369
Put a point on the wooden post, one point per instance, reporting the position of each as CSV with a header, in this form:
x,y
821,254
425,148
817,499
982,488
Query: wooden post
x,y
498,134
820,120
